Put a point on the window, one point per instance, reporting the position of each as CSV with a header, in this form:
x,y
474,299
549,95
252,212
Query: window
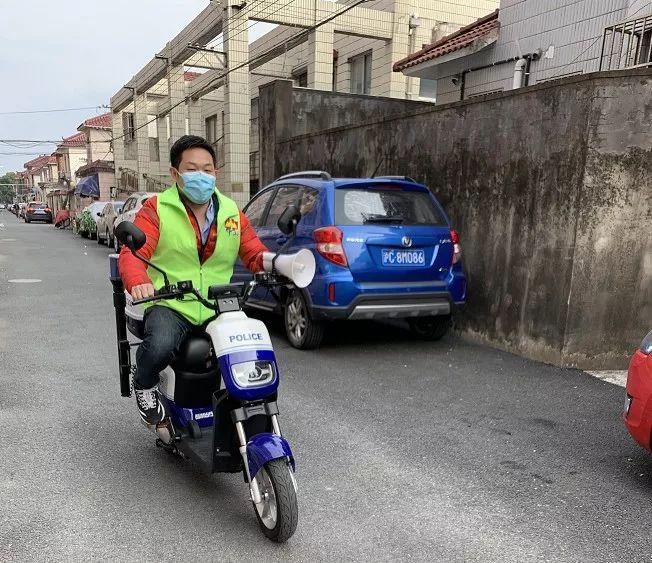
x,y
152,134
128,205
361,74
428,89
256,208
128,128
285,196
300,77
211,129
386,205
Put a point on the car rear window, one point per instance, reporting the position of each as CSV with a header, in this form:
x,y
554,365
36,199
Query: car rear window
x,y
387,205
37,205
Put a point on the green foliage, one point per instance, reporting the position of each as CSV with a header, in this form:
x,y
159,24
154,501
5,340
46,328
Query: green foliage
x,y
86,223
7,192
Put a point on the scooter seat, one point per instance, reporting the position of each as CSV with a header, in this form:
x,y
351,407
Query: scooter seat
x,y
196,373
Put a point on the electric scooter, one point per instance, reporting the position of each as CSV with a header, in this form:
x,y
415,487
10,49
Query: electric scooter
x,y
220,391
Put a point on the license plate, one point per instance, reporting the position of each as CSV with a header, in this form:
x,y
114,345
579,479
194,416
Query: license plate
x,y
39,211
393,257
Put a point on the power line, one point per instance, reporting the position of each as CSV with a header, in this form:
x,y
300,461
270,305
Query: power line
x,y
305,31
52,110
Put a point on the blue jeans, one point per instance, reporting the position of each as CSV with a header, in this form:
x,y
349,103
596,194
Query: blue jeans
x,y
165,332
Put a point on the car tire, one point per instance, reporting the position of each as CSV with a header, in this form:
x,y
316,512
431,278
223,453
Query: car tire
x,y
83,234
302,331
116,245
93,236
430,328
100,241
109,239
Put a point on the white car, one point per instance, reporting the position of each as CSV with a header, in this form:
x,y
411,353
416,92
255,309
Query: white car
x,y
105,222
131,206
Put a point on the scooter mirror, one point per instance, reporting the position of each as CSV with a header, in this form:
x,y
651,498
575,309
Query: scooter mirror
x,y
289,219
130,235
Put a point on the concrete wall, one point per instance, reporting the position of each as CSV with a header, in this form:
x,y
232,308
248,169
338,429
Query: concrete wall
x,y
549,187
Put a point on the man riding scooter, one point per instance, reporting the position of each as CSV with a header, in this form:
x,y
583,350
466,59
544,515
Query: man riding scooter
x,y
195,233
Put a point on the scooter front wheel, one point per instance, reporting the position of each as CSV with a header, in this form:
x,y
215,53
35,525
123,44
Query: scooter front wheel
x,y
278,512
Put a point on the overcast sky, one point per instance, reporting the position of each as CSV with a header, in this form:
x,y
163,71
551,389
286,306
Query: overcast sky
x,y
73,54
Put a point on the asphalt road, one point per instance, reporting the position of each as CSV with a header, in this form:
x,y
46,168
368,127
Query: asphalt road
x,y
430,452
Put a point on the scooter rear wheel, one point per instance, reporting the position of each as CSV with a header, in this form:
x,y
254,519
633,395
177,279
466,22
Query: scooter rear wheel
x,y
278,513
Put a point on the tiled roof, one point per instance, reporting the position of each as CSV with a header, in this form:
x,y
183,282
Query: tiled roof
x,y
98,122
463,37
189,75
37,163
95,166
76,140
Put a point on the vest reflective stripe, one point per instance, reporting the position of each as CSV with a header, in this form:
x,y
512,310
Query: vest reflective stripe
x,y
176,252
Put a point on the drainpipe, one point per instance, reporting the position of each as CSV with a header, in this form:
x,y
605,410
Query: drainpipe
x,y
519,71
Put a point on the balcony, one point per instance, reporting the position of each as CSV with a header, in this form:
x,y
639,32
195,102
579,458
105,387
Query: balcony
x,y
627,44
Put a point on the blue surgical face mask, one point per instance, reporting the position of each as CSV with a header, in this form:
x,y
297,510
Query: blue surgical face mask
x,y
198,186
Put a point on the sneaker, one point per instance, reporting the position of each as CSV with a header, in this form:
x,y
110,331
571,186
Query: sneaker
x,y
150,408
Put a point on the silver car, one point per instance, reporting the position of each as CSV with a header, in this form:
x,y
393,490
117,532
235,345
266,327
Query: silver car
x,y
105,221
132,206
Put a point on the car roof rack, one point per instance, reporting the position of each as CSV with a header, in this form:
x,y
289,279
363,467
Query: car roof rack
x,y
406,178
307,174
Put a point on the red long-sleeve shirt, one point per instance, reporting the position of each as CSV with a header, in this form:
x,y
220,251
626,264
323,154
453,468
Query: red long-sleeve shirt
x,y
134,272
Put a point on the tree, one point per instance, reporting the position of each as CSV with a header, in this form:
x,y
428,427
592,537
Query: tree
x,y
7,192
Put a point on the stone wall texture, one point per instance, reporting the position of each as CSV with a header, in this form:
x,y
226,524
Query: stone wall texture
x,y
550,188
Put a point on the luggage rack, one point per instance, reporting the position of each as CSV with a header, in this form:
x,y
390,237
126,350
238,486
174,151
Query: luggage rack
x,y
318,174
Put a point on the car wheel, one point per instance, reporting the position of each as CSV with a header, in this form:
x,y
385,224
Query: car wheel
x,y
302,331
430,328
84,234
93,235
109,239
100,240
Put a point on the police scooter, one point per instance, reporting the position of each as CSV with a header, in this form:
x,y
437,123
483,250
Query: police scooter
x,y
220,392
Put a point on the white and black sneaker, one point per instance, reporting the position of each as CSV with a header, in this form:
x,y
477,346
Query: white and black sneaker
x,y
150,408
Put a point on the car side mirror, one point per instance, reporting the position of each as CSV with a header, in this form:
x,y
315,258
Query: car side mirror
x,y
289,219
130,235
99,214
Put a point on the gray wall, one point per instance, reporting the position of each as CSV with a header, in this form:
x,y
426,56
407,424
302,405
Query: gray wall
x,y
550,188
573,27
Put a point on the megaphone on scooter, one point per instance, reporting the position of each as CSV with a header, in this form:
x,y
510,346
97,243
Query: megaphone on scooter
x,y
298,267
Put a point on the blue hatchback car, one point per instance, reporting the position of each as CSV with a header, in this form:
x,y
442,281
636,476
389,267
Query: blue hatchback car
x,y
384,249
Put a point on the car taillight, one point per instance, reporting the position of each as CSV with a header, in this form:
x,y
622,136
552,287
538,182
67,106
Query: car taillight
x,y
48,210
457,251
329,245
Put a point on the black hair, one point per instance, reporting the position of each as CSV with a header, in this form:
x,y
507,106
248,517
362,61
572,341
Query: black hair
x,y
189,142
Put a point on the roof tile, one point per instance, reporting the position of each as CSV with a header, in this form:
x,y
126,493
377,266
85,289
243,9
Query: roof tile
x,y
463,37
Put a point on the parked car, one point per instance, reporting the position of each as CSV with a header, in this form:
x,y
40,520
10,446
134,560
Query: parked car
x,y
131,206
105,221
384,248
638,403
86,221
37,211
2,206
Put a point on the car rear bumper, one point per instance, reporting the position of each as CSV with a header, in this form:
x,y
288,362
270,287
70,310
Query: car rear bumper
x,y
391,306
39,217
638,417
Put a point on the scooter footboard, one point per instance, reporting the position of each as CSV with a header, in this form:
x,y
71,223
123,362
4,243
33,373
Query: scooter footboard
x,y
267,447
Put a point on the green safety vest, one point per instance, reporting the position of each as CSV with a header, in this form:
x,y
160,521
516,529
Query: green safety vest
x,y
176,252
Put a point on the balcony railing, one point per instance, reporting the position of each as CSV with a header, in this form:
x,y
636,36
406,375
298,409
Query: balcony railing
x,y
627,44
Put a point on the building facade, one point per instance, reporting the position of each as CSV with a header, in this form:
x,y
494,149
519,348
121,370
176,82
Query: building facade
x,y
529,41
205,81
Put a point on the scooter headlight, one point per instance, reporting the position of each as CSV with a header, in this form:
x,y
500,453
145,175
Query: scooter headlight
x,y
253,374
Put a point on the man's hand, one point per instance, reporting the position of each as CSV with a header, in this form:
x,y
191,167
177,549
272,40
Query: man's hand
x,y
142,291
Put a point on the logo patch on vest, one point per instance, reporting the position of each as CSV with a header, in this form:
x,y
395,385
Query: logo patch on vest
x,y
232,227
